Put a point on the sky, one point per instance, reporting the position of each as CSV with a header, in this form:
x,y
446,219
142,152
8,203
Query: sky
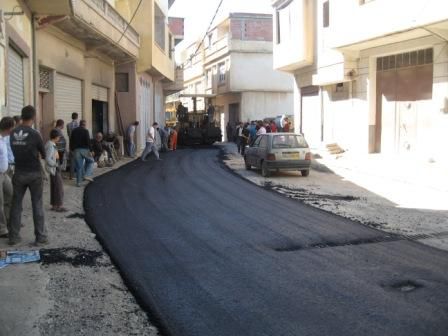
x,y
198,14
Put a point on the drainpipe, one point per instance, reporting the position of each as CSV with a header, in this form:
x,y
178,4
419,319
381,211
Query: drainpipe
x,y
153,100
322,113
34,62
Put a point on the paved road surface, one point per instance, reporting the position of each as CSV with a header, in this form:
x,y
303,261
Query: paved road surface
x,y
212,255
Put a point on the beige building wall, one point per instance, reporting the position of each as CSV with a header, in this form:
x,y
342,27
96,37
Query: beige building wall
x,y
344,69
253,71
257,105
16,31
64,54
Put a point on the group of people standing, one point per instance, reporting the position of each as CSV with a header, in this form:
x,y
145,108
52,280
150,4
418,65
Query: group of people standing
x,y
21,151
156,136
245,133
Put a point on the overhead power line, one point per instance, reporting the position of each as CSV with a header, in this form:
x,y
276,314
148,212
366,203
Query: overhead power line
x,y
130,21
206,32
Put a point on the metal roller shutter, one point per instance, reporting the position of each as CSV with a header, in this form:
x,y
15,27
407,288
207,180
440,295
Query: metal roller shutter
x,y
99,93
145,109
16,92
68,97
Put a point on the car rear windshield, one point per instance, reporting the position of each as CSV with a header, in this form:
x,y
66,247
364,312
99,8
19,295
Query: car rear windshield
x,y
288,141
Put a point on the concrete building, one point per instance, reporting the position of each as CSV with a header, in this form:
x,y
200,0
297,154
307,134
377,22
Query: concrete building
x,y
83,56
369,87
143,98
16,57
77,47
232,69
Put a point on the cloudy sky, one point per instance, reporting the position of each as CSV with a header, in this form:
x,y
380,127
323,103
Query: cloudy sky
x,y
198,13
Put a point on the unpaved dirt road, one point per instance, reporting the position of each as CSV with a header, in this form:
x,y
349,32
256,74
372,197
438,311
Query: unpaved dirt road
x,y
209,253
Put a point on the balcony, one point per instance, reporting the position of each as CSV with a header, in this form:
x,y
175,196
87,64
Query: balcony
x,y
401,20
170,88
94,22
218,48
295,36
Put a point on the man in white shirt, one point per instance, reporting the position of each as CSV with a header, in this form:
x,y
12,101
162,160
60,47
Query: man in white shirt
x,y
261,130
151,143
6,126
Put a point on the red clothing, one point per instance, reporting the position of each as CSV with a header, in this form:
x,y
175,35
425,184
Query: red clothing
x,y
273,128
286,127
173,140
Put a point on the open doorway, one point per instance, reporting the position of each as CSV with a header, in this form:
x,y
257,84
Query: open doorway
x,y
100,117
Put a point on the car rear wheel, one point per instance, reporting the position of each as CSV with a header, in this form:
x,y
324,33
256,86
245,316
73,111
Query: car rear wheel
x,y
305,172
264,170
247,165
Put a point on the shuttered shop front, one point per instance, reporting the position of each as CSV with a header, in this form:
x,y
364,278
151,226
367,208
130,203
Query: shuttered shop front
x,y
68,97
99,93
16,92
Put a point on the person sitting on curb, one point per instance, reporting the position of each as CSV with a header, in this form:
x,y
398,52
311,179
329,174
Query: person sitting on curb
x,y
80,146
101,151
53,168
6,126
28,148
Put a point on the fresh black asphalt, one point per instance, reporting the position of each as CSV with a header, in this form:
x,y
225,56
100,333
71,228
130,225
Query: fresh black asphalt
x,y
211,254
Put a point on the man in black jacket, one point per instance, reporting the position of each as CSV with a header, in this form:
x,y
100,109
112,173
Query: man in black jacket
x,y
28,148
81,147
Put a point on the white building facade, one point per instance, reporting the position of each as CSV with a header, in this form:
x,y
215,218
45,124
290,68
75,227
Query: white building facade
x,y
233,69
370,75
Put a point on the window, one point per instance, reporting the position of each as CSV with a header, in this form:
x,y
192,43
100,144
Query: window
x,y
44,79
210,40
257,141
159,26
122,82
326,14
277,21
170,45
407,59
209,77
222,73
264,141
288,141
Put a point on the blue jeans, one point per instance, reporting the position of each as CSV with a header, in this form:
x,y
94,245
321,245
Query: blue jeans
x,y
131,149
150,147
84,164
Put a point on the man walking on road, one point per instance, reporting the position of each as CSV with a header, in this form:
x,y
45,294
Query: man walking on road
x,y
81,147
28,148
151,143
6,126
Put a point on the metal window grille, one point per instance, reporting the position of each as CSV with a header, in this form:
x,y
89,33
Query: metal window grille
x,y
404,60
45,79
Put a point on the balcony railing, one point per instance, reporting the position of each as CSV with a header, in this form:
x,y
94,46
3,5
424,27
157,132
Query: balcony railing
x,y
111,15
222,43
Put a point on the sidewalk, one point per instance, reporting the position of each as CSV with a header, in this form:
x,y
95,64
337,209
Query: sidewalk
x,y
392,195
75,290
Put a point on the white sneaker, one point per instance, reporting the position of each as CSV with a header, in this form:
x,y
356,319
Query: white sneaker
x,y
88,179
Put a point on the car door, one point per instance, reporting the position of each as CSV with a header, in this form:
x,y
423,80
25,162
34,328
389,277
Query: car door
x,y
262,149
252,151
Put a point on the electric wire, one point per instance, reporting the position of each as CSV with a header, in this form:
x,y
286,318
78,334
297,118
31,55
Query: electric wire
x,y
205,35
130,21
